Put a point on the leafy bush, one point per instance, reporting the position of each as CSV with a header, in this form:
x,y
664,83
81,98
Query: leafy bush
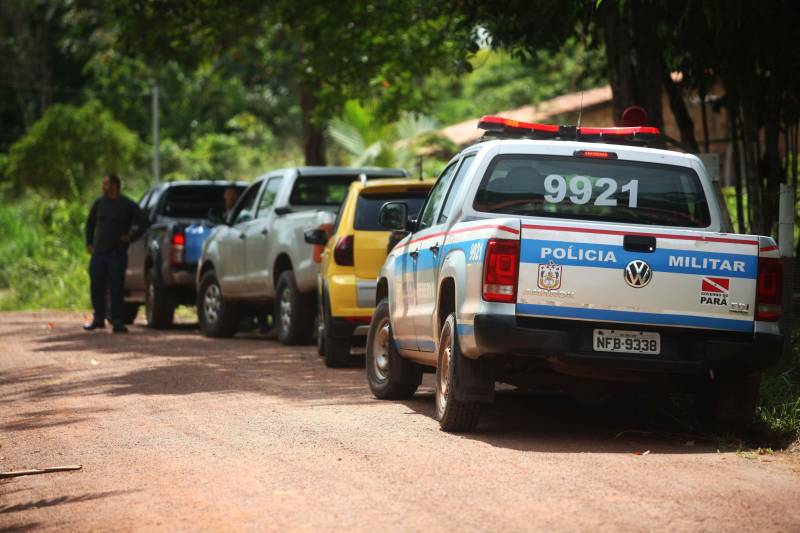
x,y
69,148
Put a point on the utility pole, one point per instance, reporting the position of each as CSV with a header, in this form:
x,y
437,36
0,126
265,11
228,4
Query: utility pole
x,y
156,161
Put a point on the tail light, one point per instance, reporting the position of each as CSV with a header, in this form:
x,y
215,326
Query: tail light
x,y
769,292
500,271
177,248
343,251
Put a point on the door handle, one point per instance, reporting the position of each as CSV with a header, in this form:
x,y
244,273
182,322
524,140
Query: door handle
x,y
414,254
434,249
242,236
264,231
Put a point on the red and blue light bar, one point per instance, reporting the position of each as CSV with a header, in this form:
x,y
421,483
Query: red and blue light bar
x,y
507,127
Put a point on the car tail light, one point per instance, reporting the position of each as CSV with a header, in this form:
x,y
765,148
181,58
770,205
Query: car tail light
x,y
177,248
769,292
595,154
343,251
500,271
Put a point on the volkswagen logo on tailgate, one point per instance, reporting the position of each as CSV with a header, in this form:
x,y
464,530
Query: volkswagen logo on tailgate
x,y
638,273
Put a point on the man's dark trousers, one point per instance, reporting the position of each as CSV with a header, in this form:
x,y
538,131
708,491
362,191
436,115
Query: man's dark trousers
x,y
107,269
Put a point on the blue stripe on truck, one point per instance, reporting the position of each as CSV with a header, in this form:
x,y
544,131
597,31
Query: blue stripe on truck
x,y
662,260
633,317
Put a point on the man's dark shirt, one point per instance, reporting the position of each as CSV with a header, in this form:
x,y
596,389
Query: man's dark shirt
x,y
110,219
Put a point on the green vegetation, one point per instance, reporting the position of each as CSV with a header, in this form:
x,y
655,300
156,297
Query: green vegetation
x,y
43,259
779,407
64,151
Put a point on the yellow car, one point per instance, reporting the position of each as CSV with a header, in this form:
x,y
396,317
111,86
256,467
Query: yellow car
x,y
351,259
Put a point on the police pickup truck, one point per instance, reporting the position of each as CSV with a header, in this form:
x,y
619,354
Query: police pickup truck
x,y
576,257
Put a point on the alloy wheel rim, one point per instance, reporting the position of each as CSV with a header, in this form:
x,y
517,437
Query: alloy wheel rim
x,y
380,351
286,311
212,303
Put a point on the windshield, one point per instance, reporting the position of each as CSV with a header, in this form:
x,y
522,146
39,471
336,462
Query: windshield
x,y
369,207
592,189
322,190
195,201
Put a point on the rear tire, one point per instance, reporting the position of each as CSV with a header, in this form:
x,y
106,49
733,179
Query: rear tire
x,y
159,304
453,414
216,316
390,375
293,311
336,350
730,401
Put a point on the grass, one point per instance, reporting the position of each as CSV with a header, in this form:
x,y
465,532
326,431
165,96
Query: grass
x,y
779,406
43,260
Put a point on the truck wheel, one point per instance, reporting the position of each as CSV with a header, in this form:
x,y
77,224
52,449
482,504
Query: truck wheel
x,y
731,401
337,351
216,316
129,312
293,311
453,414
159,305
390,375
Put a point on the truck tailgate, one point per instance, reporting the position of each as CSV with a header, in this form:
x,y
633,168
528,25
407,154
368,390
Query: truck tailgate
x,y
606,273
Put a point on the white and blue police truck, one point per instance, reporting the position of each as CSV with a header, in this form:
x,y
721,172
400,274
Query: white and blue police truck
x,y
576,258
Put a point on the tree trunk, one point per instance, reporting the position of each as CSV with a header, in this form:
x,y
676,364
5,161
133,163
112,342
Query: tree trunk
x,y
774,168
313,135
733,117
682,117
635,64
753,169
704,116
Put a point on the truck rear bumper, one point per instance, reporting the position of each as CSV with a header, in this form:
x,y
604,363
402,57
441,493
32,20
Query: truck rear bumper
x,y
683,351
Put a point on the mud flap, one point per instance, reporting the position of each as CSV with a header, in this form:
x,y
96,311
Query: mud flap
x,y
402,370
473,378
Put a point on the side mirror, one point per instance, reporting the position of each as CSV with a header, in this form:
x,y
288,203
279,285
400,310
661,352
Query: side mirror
x,y
394,216
283,210
244,216
316,236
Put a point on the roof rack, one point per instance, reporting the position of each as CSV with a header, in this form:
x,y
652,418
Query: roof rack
x,y
506,128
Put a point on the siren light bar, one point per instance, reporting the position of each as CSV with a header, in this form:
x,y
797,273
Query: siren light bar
x,y
506,127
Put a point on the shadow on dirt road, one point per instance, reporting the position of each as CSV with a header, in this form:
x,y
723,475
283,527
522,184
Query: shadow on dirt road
x,y
182,362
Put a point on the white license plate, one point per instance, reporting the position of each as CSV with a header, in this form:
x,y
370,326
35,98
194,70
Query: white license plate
x,y
610,340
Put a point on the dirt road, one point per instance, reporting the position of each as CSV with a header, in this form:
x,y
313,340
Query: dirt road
x,y
178,432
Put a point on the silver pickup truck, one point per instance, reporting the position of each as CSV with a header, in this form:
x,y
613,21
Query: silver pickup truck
x,y
541,259
259,258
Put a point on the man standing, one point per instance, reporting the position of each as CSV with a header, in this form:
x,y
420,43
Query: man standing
x,y
108,232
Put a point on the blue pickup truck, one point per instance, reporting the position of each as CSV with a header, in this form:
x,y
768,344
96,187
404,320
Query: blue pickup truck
x,y
163,261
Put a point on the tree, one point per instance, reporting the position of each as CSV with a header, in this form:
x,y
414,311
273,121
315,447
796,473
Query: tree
x,y
324,55
69,148
41,60
627,30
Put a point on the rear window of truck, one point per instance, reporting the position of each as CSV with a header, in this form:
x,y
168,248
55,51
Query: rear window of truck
x,y
369,206
323,190
195,201
593,189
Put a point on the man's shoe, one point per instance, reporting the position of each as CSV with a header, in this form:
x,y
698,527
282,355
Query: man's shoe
x,y
120,328
94,325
